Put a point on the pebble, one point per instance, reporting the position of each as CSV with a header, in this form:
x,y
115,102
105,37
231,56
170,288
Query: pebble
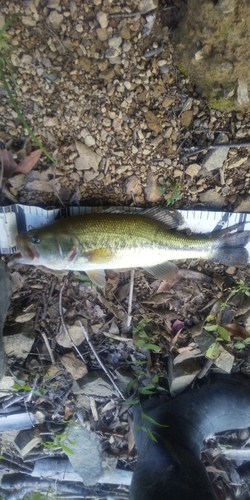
x,y
2,21
147,5
114,42
133,186
154,123
50,121
242,92
87,158
226,6
212,199
186,118
89,140
28,21
152,193
102,34
193,169
55,18
102,19
53,4
215,158
126,46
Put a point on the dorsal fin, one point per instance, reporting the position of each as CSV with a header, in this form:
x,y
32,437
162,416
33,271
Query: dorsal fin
x,y
172,219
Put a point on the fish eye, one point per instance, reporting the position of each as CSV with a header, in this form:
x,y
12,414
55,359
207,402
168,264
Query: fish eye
x,y
35,239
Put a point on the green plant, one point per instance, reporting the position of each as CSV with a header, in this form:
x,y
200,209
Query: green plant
x,y
242,287
176,194
59,442
242,344
145,339
5,67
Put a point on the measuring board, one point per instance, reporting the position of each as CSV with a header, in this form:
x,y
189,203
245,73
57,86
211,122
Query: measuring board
x,y
16,219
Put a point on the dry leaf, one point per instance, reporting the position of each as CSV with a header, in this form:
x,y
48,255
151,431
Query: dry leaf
x,y
130,435
8,164
67,412
26,165
74,366
237,330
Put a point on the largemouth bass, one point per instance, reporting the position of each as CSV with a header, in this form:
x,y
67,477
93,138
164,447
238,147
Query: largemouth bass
x,y
99,241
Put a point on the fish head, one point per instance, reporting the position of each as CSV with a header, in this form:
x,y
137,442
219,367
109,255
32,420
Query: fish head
x,y
46,247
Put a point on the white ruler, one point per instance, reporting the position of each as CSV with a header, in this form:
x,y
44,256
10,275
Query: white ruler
x,y
16,219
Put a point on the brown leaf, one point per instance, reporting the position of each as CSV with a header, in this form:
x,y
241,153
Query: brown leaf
x,y
67,412
26,165
8,164
130,435
237,330
74,366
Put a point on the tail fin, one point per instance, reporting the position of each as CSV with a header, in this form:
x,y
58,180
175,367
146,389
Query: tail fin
x,y
230,249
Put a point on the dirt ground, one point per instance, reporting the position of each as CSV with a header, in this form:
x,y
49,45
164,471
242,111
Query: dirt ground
x,y
109,90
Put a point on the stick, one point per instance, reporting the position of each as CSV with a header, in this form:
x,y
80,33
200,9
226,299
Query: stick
x,y
99,360
130,298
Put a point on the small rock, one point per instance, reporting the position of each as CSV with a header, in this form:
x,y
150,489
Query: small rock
x,y
89,175
236,162
133,186
167,101
53,4
18,345
102,19
193,169
126,46
89,140
125,33
85,63
107,74
152,193
212,199
154,123
186,118
86,454
72,6
2,21
102,34
242,92
243,204
114,42
50,121
55,18
76,367
147,5
28,21
226,6
215,158
88,159
231,270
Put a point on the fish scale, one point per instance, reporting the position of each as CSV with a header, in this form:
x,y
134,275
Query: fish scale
x,y
99,241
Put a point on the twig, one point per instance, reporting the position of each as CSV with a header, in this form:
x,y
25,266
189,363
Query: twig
x,y
64,326
196,149
100,362
1,170
124,15
130,298
44,336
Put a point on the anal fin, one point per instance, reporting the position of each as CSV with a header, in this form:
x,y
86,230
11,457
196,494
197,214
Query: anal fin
x,y
165,271
97,277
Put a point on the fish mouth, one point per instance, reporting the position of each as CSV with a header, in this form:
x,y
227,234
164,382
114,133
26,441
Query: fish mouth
x,y
27,252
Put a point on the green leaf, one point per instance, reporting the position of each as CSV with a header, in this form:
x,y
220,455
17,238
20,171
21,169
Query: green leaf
x,y
146,391
211,328
239,346
159,388
131,402
155,379
153,347
247,341
66,449
213,351
210,318
151,420
224,334
130,385
18,387
150,435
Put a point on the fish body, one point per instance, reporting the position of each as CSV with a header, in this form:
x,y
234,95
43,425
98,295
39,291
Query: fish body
x,y
101,241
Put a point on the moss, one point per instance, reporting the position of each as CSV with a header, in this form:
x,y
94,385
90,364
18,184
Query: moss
x,y
182,70
221,103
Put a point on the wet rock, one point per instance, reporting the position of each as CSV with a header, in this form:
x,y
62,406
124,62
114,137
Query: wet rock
x,y
215,158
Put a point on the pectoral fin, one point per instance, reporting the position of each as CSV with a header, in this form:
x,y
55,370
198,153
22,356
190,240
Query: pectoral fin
x,y
97,277
165,271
